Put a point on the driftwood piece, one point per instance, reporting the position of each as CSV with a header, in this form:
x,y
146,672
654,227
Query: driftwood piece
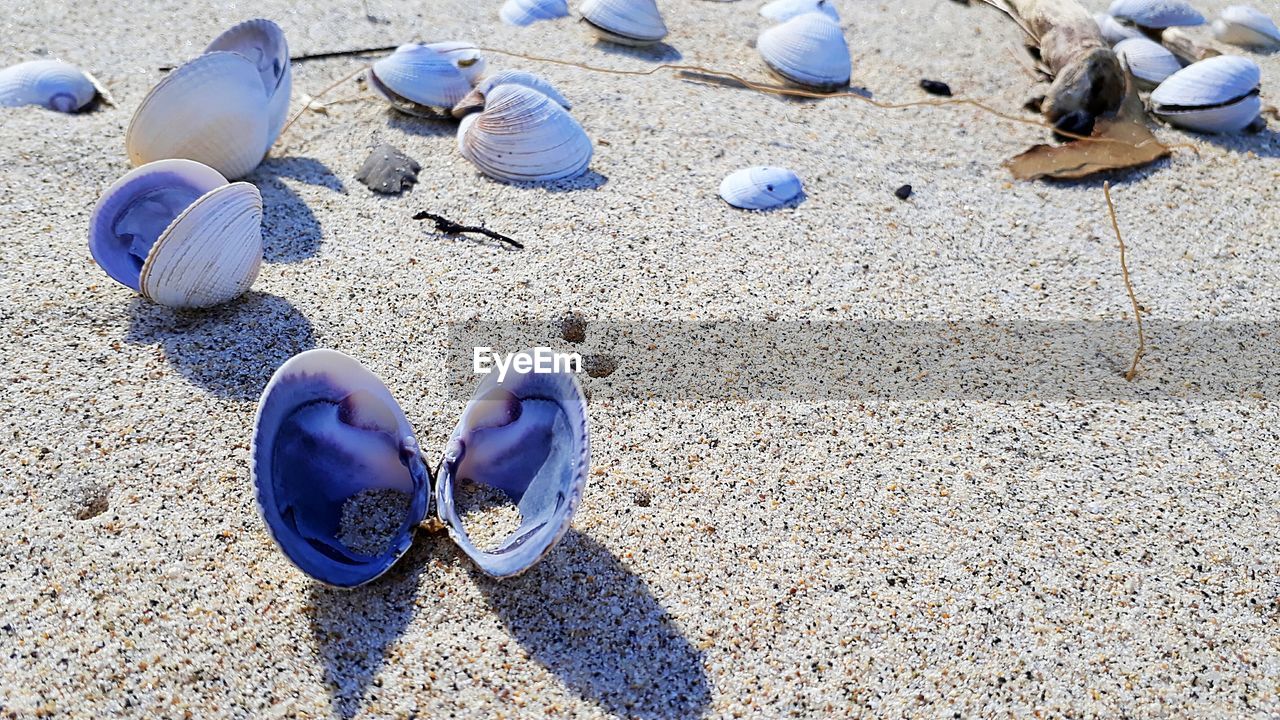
x,y
1185,47
1087,78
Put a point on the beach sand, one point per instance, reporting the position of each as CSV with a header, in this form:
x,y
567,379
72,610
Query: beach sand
x,y
1103,549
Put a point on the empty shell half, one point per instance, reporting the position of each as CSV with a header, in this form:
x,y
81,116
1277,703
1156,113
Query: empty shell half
x,y
1217,95
782,10
419,80
808,50
475,99
1149,61
527,12
178,233
524,136
761,188
328,433
1156,13
1114,31
51,84
626,22
1247,27
262,43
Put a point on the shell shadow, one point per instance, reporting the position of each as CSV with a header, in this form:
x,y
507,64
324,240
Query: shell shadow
x,y
423,127
229,351
290,231
590,180
1265,143
655,53
596,626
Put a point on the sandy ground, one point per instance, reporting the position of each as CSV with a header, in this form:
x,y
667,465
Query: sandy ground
x,y
1105,550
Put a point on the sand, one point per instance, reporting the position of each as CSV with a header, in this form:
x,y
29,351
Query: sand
x,y
1097,549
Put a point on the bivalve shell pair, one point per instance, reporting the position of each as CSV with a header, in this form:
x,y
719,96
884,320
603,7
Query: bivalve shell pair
x,y
1149,61
808,50
476,98
1244,26
328,430
224,108
1156,14
426,80
626,22
524,136
51,84
178,233
1217,95
527,12
783,10
761,188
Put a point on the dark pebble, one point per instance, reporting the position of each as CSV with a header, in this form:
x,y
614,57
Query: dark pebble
x,y
643,499
903,192
935,87
1034,104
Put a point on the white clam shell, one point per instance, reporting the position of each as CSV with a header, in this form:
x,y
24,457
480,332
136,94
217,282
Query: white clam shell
x,y
761,188
783,10
627,22
212,110
465,56
1244,26
523,135
1113,31
808,50
527,12
1150,62
1156,13
419,80
50,84
476,98
1217,95
262,43
207,244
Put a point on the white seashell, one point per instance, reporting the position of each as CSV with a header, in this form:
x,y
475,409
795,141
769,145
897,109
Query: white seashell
x,y
1156,13
464,56
1247,27
627,22
1149,61
48,83
761,188
262,43
475,99
212,110
523,135
1114,31
528,12
808,50
1217,95
782,10
178,233
419,81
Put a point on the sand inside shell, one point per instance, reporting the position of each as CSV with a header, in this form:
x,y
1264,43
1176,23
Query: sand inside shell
x,y
487,513
370,520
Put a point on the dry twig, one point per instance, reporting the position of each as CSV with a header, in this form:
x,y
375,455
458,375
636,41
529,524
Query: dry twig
x,y
1128,285
449,227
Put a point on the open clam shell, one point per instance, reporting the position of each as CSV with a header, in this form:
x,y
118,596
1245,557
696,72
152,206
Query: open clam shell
x,y
476,98
51,84
327,431
783,10
1156,14
420,81
524,136
761,188
178,233
528,12
1150,62
1247,27
465,56
1217,95
1114,31
262,43
808,50
626,22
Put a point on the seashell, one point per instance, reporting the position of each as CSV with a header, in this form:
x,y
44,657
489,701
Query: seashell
x,y
1247,27
761,188
464,56
50,84
808,50
1156,13
262,43
178,233
328,430
475,99
1149,61
626,22
1217,95
1114,31
523,135
388,171
419,81
528,12
783,10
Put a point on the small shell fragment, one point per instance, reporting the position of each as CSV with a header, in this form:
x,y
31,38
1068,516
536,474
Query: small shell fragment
x,y
388,171
761,188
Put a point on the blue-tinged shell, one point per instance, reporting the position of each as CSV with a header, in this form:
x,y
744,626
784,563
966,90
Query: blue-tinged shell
x,y
1217,95
1156,13
262,43
419,80
475,99
326,431
761,188
783,10
526,12
50,84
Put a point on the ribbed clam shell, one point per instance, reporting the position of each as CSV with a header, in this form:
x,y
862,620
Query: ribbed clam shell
x,y
1247,27
465,56
627,22
476,98
782,10
1114,31
526,436
808,50
48,83
419,81
523,135
1156,13
761,188
262,43
1149,61
212,110
527,12
1217,95
326,430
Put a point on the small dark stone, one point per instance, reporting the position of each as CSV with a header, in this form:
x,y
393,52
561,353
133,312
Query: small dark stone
x,y
643,498
1034,104
599,366
93,503
573,328
903,192
388,170
936,87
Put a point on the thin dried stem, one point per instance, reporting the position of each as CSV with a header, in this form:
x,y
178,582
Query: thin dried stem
x,y
1128,285
315,97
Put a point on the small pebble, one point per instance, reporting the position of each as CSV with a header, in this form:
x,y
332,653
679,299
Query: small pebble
x,y
936,87
903,192
388,170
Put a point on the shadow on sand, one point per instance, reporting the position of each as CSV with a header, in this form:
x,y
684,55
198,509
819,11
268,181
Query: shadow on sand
x,y
290,231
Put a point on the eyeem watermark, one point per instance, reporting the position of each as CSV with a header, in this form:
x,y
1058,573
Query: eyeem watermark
x,y
535,360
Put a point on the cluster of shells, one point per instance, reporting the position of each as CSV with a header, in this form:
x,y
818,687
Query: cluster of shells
x,y
1192,86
